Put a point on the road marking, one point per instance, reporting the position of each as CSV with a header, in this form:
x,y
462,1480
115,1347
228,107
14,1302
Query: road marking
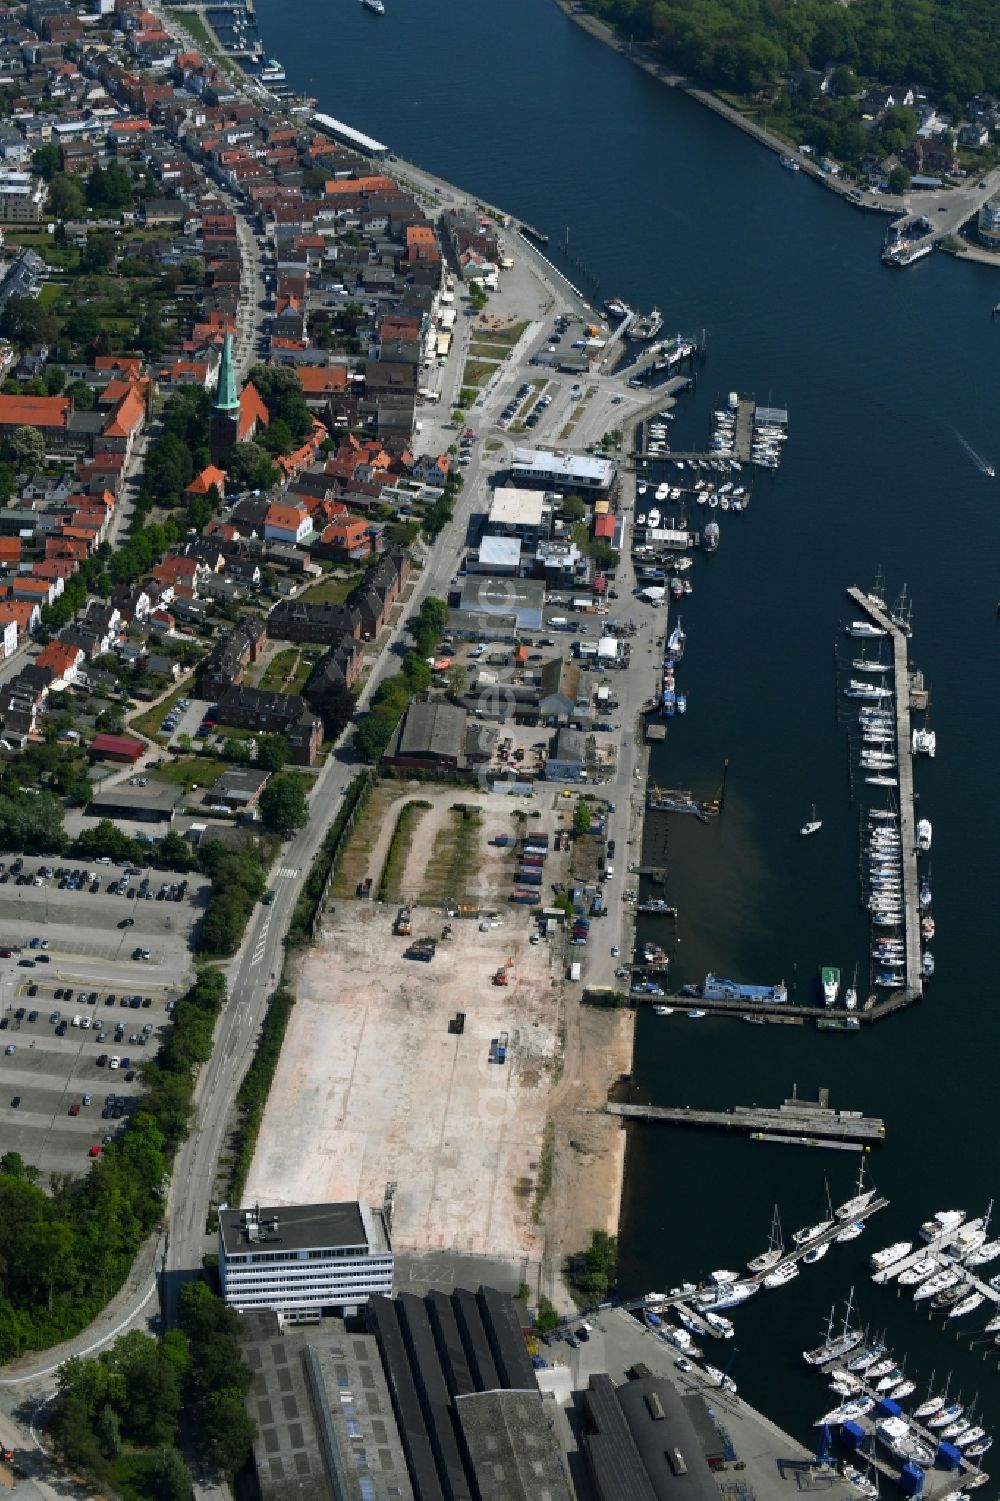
x,y
289,872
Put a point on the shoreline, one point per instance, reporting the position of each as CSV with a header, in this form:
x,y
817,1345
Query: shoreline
x,y
866,203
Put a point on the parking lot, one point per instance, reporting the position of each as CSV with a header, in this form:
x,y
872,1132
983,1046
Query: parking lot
x,y
56,1074
185,717
102,911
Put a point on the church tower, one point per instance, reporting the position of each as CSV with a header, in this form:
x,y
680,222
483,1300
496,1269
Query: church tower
x,y
224,423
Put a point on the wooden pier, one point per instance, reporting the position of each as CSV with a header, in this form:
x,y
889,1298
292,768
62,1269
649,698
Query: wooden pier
x,y
792,1120
743,438
904,758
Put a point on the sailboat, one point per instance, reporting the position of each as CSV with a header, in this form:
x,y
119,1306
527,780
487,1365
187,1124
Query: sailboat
x,y
835,1346
860,1201
814,824
775,1248
851,993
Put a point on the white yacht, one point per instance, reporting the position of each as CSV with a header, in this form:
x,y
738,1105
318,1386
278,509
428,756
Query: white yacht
x,y
924,835
966,1305
924,743
864,628
913,1275
781,1275
850,1232
903,1442
816,1254
939,1283
725,1295
775,1249
880,1261
946,1221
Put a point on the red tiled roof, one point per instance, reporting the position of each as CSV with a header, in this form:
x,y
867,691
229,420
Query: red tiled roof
x,y
34,411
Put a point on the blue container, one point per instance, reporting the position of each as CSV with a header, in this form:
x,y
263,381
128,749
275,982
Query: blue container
x,y
887,1408
949,1457
911,1479
852,1435
653,1319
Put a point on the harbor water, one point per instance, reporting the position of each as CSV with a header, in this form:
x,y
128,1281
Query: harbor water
x,y
882,372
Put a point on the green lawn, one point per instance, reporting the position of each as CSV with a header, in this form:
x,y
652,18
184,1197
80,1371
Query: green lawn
x,y
330,591
192,771
279,670
477,372
488,351
508,336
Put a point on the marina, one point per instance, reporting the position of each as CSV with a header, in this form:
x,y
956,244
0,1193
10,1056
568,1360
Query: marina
x,y
793,1120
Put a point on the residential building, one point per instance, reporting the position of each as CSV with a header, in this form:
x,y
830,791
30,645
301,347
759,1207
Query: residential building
x,y
283,714
988,224
297,620
305,1260
567,762
519,513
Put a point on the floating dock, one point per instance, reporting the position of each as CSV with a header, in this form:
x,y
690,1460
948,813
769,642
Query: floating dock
x,y
794,1120
743,437
904,758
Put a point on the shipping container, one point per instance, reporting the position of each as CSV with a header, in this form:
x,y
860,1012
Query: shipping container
x,y
503,841
530,877
524,898
575,971
533,862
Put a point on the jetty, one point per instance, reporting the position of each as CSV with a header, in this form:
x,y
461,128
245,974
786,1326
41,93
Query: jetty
x,y
904,758
804,1121
743,438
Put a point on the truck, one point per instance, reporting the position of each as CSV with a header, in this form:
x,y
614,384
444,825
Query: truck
x,y
269,896
575,971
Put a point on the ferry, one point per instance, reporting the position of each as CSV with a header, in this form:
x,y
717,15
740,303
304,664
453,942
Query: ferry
x,y
646,327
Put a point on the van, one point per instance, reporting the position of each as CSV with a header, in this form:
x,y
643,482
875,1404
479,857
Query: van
x,y
77,1020
609,871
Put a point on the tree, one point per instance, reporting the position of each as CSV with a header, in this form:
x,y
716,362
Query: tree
x,y
106,841
272,753
416,672
108,1432
573,508
281,392
900,180
82,395
581,819
173,1478
66,199
46,160
99,252
26,448
844,83
283,802
250,468
32,825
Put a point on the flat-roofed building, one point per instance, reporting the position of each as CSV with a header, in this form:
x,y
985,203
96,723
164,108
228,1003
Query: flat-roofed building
x,y
520,513
524,599
562,471
304,1260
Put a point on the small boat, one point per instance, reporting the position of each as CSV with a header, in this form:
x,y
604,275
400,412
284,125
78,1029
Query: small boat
x,y
663,1010
855,1407
789,163
817,1253
718,1378
927,927
864,628
891,1378
904,1388
849,1232
944,1222
374,5
616,308
974,1451
927,964
880,1369
955,1430
813,826
989,1251
851,1001
695,1014
682,703
925,894
830,980
936,1285
929,1408
924,835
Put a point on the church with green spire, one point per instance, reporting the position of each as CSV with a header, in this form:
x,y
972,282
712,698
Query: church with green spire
x,y
224,423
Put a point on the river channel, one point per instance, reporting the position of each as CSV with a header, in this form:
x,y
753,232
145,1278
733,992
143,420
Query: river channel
x,y
880,370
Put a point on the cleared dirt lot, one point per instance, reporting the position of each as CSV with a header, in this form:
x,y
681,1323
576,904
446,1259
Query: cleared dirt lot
x,y
373,1088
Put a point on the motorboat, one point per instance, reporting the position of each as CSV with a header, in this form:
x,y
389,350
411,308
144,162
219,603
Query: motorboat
x,y
830,980
924,743
901,1440
816,1254
880,1369
968,1304
925,894
946,1221
813,826
721,1327
971,1436
941,1282
864,628
881,1261
927,964
989,1251
850,1232
924,835
718,1378
928,1408
781,1275
904,1388
913,1275
954,1431
945,1416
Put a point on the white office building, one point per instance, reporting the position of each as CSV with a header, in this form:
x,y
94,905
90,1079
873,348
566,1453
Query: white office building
x,y
305,1260
562,471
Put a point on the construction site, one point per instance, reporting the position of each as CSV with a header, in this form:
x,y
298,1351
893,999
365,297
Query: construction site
x,y
434,1045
